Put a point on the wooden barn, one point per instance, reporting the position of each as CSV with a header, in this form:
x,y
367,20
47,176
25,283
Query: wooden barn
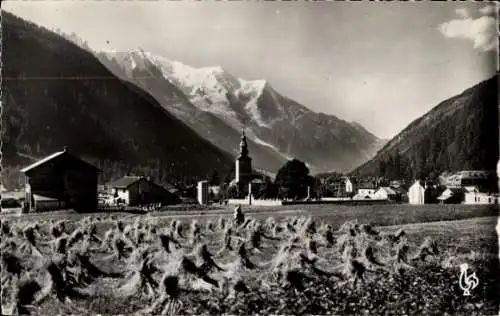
x,y
137,191
61,181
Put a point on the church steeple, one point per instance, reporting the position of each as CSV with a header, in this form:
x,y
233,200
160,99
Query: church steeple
x,y
243,144
243,163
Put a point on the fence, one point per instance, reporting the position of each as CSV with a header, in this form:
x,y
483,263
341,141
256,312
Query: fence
x,y
258,202
118,208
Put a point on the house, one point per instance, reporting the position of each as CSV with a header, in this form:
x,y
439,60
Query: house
x,y
476,197
135,191
452,196
416,193
59,181
365,193
385,193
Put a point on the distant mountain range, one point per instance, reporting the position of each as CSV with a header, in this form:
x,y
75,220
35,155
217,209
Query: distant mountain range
x,y
461,133
57,94
218,106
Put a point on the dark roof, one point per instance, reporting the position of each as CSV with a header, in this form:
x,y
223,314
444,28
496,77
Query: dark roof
x,y
54,156
124,182
457,190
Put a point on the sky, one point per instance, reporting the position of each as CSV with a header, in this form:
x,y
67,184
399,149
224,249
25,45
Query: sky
x,y
382,64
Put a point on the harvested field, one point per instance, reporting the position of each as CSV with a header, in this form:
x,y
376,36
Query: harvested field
x,y
312,262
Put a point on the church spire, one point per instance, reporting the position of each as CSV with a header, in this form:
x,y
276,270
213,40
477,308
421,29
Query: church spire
x,y
243,144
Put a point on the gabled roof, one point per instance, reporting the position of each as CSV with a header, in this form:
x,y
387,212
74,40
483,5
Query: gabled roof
x,y
449,192
42,161
38,197
471,188
388,190
124,182
53,156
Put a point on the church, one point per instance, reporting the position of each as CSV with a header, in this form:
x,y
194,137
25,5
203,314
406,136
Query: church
x,y
244,174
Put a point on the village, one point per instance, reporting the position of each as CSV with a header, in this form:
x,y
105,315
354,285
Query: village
x,y
64,181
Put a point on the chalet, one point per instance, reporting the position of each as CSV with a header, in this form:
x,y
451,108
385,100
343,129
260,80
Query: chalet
x,y
135,191
452,196
385,193
61,181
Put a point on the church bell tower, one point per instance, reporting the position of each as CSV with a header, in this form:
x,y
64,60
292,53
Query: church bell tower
x,y
243,163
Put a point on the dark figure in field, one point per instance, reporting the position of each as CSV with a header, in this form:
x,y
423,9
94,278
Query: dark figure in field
x,y
238,216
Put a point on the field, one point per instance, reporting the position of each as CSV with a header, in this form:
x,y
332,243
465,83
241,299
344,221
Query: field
x,y
396,260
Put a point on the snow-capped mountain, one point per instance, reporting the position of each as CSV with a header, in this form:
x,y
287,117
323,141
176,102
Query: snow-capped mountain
x,y
213,102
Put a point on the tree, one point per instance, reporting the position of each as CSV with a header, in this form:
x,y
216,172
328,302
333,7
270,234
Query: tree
x,y
233,192
293,179
268,190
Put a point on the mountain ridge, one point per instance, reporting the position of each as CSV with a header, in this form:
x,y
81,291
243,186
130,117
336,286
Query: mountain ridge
x,y
287,128
459,133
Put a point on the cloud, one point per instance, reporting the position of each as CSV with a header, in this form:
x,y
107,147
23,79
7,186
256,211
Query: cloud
x,y
481,31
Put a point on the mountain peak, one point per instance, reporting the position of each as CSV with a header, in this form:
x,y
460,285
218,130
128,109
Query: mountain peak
x,y
212,70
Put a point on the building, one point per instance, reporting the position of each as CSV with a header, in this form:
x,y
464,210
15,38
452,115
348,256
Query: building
x,y
61,181
203,192
342,186
349,185
476,197
243,164
385,193
365,193
416,193
136,191
452,196
244,173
